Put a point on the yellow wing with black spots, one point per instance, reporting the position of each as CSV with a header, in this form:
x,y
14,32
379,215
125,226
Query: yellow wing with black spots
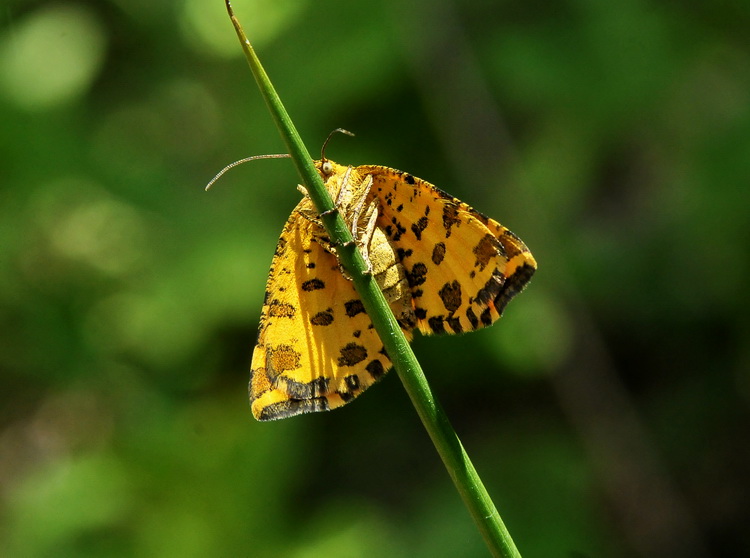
x,y
462,267
316,346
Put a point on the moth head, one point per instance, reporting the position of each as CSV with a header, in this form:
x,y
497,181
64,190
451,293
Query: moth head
x,y
326,168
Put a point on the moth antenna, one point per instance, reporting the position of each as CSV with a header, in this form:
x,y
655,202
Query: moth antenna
x,y
245,160
325,143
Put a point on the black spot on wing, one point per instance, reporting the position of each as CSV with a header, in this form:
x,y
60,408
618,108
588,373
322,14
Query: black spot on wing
x,y
455,324
352,386
322,318
352,382
419,226
450,218
514,284
351,354
300,390
375,368
278,309
280,246
472,317
403,253
399,230
345,396
354,307
438,253
486,317
450,294
313,285
491,288
436,324
293,407
486,249
417,275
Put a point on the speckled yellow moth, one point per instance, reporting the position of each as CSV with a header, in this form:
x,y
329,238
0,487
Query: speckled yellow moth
x,y
442,266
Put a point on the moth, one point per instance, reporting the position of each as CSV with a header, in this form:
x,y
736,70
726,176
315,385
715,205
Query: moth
x,y
442,266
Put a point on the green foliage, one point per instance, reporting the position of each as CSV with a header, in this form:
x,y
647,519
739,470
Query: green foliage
x,y
607,410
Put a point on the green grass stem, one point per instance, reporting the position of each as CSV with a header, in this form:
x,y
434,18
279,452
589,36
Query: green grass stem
x,y
443,436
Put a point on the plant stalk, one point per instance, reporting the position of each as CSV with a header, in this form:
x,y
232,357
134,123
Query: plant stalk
x,y
434,419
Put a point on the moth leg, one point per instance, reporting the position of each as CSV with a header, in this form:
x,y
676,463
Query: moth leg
x,y
311,216
364,238
359,203
321,236
345,191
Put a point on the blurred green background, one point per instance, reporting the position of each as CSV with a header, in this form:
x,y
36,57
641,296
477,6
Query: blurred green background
x,y
607,412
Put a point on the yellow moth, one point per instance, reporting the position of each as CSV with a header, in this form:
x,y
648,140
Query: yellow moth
x,y
443,267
